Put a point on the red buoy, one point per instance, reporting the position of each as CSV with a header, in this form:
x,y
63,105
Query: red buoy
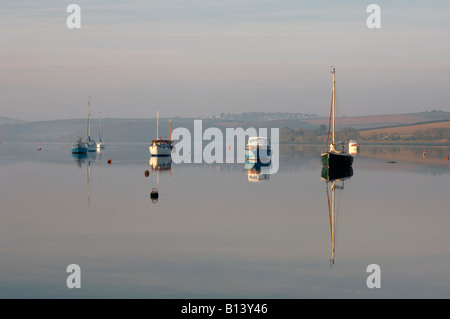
x,y
109,161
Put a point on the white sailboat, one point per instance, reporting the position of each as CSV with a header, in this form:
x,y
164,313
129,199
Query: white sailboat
x,y
100,144
161,146
90,143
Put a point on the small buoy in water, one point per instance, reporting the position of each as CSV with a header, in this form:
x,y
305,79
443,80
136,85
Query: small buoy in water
x,y
146,173
415,152
303,149
41,143
154,193
446,158
109,161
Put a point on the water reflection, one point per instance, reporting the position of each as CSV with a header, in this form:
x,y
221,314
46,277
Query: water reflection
x,y
334,179
87,158
158,165
257,172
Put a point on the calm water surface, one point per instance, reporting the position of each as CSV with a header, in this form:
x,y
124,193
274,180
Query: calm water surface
x,y
219,231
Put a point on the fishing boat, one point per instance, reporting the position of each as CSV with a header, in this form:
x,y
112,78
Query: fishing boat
x,y
90,143
79,147
258,150
335,155
161,146
100,144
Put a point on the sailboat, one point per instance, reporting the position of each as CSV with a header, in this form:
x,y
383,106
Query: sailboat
x,y
79,147
332,178
90,144
334,157
100,144
161,146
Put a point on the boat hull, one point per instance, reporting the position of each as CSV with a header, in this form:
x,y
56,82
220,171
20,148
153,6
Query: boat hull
x,y
335,160
79,150
91,146
160,150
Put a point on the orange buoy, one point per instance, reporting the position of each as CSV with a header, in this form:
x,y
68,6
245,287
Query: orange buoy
x,y
415,152
446,158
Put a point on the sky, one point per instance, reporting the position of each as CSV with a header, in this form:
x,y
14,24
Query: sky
x,y
193,58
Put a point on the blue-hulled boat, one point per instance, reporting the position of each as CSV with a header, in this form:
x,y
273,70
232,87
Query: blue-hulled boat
x,y
79,147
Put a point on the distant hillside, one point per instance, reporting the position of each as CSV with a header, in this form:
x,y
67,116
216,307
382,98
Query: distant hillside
x,y
122,130
433,130
376,121
7,120
295,128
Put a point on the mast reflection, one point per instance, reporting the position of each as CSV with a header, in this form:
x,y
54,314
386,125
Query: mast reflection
x,y
158,165
334,179
81,159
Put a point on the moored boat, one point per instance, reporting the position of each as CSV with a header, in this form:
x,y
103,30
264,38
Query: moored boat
x,y
161,146
335,156
79,147
258,150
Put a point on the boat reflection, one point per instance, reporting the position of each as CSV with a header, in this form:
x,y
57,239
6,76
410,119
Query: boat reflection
x,y
334,179
257,171
158,165
81,158
86,158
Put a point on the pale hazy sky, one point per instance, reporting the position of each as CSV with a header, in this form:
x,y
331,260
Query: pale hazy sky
x,y
193,58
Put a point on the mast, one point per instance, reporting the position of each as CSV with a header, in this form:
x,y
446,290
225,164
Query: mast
x,y
334,103
157,124
170,130
100,126
89,118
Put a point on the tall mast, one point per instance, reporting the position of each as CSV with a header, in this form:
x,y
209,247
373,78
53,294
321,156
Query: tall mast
x,y
170,130
334,103
100,126
157,124
89,118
